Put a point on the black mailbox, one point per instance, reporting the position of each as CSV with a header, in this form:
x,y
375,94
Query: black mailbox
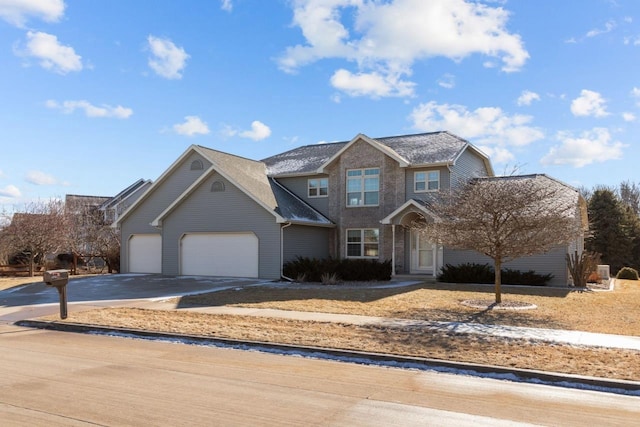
x,y
59,280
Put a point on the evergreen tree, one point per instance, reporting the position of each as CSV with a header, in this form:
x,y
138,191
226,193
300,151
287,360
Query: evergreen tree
x,y
611,229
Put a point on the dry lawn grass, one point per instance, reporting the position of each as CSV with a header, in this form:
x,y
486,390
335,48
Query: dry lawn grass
x,y
612,312
615,312
12,282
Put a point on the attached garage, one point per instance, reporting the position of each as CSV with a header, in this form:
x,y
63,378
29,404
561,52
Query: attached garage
x,y
219,254
145,253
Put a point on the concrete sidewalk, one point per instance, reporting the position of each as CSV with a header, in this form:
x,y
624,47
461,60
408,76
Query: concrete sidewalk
x,y
578,338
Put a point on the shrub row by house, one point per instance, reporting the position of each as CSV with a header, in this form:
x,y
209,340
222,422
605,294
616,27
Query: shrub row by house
x,y
484,273
331,270
627,273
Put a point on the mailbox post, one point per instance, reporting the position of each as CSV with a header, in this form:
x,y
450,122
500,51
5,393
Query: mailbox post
x,y
59,280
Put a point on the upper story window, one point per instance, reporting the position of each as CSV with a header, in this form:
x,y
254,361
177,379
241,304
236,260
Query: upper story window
x,y
318,187
363,187
426,181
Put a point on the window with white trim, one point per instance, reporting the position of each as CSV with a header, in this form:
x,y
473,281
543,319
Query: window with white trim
x,y
426,181
363,187
363,243
318,187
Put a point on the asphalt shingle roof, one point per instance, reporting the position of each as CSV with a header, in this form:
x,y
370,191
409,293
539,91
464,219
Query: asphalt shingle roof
x,y
418,149
252,176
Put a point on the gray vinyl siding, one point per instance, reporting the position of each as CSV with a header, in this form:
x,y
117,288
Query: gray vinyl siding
x,y
139,220
410,181
552,262
230,210
468,165
298,186
306,241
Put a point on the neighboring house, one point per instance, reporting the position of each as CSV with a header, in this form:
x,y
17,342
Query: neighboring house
x,y
80,205
114,206
215,214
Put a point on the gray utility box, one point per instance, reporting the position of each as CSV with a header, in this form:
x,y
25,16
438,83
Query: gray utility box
x,y
59,280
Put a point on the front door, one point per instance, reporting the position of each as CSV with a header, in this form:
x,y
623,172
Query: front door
x,y
423,255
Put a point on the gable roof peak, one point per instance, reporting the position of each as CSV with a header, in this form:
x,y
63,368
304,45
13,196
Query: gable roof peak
x,y
402,162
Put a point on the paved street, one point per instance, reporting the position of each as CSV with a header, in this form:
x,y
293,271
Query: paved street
x,y
55,378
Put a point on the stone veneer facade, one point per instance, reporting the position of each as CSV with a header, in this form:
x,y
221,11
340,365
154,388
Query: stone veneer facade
x,y
392,194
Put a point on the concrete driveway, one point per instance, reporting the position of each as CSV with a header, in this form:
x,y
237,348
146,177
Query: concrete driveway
x,y
38,299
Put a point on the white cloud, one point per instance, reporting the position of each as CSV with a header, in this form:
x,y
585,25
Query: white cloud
x,y
388,37
629,117
372,84
589,103
594,146
226,5
51,54
635,41
635,93
486,126
168,60
258,132
497,154
39,178
17,12
527,97
608,27
192,125
90,110
10,191
447,81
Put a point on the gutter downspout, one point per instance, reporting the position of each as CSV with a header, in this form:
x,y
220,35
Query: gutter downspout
x,y
288,224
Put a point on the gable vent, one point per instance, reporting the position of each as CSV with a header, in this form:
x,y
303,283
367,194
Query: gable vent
x,y
217,186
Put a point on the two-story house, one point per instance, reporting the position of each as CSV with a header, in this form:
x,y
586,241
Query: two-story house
x,y
215,214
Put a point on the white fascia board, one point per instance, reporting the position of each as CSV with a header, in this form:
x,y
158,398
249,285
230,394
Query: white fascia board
x,y
311,224
156,183
402,162
387,220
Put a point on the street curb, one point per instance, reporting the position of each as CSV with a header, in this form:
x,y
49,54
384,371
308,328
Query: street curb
x,y
361,357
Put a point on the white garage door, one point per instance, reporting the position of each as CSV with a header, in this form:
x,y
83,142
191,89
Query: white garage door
x,y
145,253
219,254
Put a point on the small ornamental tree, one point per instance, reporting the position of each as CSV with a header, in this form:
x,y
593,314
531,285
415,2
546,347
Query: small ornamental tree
x,y
506,218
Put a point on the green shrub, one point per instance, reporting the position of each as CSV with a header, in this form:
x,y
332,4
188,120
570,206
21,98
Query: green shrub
x,y
315,270
530,278
627,273
466,273
484,273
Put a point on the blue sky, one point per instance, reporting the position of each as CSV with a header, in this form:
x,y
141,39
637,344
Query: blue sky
x,y
97,94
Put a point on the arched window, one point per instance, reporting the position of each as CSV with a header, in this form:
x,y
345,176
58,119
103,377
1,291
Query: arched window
x,y
217,186
196,165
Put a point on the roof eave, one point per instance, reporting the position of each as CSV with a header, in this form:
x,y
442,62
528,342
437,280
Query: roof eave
x,y
310,223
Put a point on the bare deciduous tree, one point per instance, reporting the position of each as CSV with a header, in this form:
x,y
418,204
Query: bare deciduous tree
x,y
39,230
89,235
630,195
506,218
